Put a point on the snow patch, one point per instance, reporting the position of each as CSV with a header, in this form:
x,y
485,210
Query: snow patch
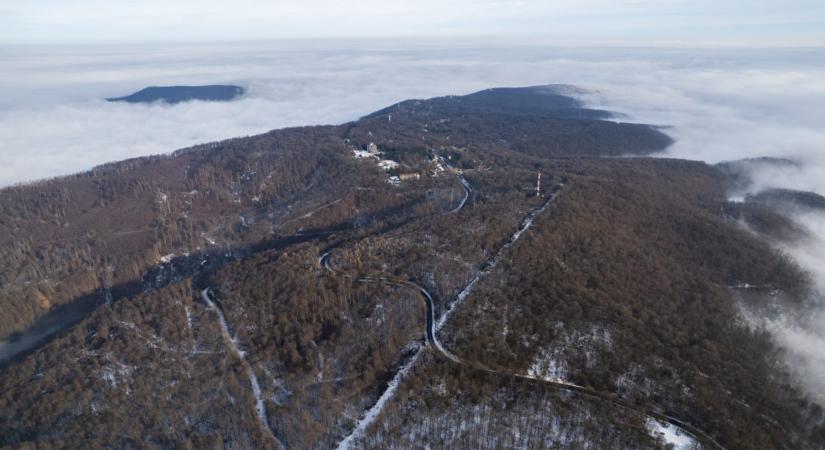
x,y
387,164
548,367
117,373
109,377
188,317
362,154
672,435
634,380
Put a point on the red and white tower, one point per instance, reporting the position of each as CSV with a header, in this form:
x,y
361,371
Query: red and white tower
x,y
538,185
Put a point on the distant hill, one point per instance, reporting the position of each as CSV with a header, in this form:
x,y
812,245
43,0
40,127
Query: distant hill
x,y
790,197
177,94
547,101
538,120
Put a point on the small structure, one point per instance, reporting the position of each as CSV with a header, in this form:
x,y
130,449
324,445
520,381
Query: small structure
x,y
372,148
438,167
362,154
387,164
410,176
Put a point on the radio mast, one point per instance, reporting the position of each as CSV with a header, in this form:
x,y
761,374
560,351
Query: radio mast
x,y
538,185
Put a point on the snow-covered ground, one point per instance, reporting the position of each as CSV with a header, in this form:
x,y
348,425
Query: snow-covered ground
x,y
548,367
672,435
589,341
362,154
387,164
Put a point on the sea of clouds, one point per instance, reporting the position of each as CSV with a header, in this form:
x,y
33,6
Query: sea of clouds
x,y
719,104
722,104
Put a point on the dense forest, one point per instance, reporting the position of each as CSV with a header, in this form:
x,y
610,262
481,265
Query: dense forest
x,y
622,287
236,312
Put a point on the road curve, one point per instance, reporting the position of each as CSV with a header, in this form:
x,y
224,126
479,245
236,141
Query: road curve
x,y
468,190
323,261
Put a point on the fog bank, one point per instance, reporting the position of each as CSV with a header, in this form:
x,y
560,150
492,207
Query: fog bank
x,y
53,120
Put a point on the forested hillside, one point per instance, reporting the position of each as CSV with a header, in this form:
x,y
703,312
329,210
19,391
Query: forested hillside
x,y
287,290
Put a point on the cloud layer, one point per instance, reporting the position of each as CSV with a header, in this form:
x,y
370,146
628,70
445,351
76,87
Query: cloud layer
x,y
53,120
721,105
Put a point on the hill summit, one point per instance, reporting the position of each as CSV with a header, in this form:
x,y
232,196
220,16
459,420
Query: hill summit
x,y
178,94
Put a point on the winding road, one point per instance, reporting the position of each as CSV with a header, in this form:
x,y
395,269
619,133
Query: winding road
x,y
467,192
432,327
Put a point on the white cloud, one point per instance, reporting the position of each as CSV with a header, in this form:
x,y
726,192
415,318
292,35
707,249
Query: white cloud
x,y
723,105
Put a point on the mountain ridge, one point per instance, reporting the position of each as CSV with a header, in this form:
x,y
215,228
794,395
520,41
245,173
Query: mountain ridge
x,y
178,94
619,285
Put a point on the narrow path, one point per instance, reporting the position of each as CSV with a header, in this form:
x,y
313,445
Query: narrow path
x,y
231,342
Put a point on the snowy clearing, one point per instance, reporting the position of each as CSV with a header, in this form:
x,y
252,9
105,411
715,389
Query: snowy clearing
x,y
672,435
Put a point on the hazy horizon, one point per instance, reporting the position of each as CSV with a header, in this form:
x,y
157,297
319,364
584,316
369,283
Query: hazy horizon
x,y
759,22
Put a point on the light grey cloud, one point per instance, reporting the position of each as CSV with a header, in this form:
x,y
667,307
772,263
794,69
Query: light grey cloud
x,y
723,105
804,339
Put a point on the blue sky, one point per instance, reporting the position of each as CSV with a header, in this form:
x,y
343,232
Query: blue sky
x,y
565,22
